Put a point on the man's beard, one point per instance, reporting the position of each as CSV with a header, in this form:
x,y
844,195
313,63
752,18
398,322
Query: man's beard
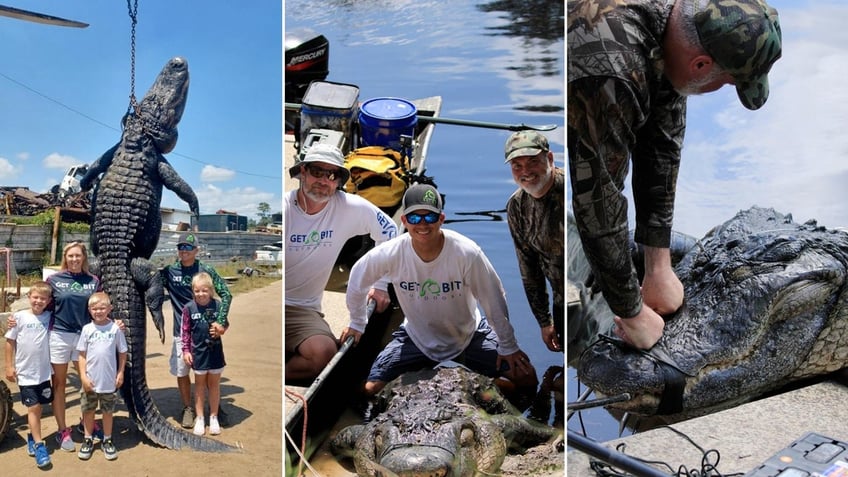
x,y
318,197
535,188
696,86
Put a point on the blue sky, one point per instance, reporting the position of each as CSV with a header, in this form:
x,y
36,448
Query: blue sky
x,y
790,154
63,92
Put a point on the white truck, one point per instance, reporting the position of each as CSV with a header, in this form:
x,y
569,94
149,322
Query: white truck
x,y
71,182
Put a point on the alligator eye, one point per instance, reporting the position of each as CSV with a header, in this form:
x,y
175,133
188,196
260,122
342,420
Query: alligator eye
x,y
466,437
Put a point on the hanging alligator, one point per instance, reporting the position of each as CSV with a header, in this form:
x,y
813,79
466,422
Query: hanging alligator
x,y
447,422
765,305
125,227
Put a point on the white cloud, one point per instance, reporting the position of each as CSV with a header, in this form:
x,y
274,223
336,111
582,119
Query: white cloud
x,y
8,171
55,160
216,174
22,156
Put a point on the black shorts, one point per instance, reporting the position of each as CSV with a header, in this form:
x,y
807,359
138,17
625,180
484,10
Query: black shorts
x,y
36,394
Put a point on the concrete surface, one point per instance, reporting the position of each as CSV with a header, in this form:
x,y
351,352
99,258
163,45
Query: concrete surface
x,y
744,436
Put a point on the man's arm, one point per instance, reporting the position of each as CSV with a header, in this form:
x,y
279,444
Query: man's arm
x,y
223,292
488,289
601,119
530,267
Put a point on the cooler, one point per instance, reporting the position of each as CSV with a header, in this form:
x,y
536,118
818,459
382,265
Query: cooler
x,y
328,105
383,120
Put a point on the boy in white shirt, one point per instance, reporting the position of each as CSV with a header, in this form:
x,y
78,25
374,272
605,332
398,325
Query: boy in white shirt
x,y
28,363
102,356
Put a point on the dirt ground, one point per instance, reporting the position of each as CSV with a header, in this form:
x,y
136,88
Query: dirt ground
x,y
250,395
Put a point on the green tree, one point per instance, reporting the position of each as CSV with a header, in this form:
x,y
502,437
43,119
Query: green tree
x,y
264,213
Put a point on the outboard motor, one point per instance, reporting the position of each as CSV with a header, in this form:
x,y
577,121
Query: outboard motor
x,y
307,57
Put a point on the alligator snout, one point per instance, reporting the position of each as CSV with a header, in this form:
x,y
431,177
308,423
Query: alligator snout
x,y
419,461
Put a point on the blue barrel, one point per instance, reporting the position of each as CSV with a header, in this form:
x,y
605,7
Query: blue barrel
x,y
383,120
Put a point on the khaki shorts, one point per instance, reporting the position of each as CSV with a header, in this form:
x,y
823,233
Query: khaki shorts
x,y
302,323
108,401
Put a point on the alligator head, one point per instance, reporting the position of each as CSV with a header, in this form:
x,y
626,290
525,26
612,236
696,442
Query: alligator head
x,y
162,106
765,305
446,423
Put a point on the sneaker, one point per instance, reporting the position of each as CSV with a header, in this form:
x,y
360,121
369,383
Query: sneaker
x,y
64,440
188,417
30,445
109,450
86,449
199,428
42,458
214,427
97,435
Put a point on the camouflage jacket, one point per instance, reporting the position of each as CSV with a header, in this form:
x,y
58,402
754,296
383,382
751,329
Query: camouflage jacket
x,y
537,230
621,108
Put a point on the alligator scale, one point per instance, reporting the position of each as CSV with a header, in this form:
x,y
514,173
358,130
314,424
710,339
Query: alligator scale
x,y
125,229
766,305
445,422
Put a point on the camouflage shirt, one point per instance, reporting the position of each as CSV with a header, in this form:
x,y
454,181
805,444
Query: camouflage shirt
x,y
620,109
536,226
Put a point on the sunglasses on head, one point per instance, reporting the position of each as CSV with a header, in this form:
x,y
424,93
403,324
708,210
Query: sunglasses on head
x,y
183,247
318,172
429,217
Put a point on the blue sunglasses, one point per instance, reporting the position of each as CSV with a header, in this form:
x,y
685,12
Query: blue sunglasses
x,y
415,219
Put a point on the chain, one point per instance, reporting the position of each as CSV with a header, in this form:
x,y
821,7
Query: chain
x,y
133,12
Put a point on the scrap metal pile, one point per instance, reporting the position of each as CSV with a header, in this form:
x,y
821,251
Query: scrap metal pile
x,y
22,201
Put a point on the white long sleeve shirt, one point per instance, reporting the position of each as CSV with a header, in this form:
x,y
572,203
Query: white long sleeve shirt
x,y
313,242
439,298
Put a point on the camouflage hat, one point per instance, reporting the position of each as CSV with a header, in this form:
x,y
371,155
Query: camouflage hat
x,y
743,37
525,143
326,153
187,238
422,196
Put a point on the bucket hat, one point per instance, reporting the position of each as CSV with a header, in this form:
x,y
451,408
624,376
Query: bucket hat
x,y
326,153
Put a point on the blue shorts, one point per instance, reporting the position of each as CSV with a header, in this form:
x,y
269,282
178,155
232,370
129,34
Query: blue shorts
x,y
402,356
36,394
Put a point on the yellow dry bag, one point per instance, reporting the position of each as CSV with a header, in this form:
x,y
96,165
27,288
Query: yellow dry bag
x,y
378,174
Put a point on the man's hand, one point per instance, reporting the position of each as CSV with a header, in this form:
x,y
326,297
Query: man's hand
x,y
216,330
662,291
549,337
381,298
350,332
11,375
519,363
643,330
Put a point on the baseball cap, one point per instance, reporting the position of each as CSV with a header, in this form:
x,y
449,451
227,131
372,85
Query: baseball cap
x,y
525,143
326,153
743,37
187,238
422,196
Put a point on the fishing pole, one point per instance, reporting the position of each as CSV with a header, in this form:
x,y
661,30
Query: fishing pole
x,y
464,122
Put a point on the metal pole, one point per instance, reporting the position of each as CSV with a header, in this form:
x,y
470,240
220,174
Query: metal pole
x,y
612,457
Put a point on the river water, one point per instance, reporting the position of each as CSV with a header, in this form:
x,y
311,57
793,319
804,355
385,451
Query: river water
x,y
490,61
